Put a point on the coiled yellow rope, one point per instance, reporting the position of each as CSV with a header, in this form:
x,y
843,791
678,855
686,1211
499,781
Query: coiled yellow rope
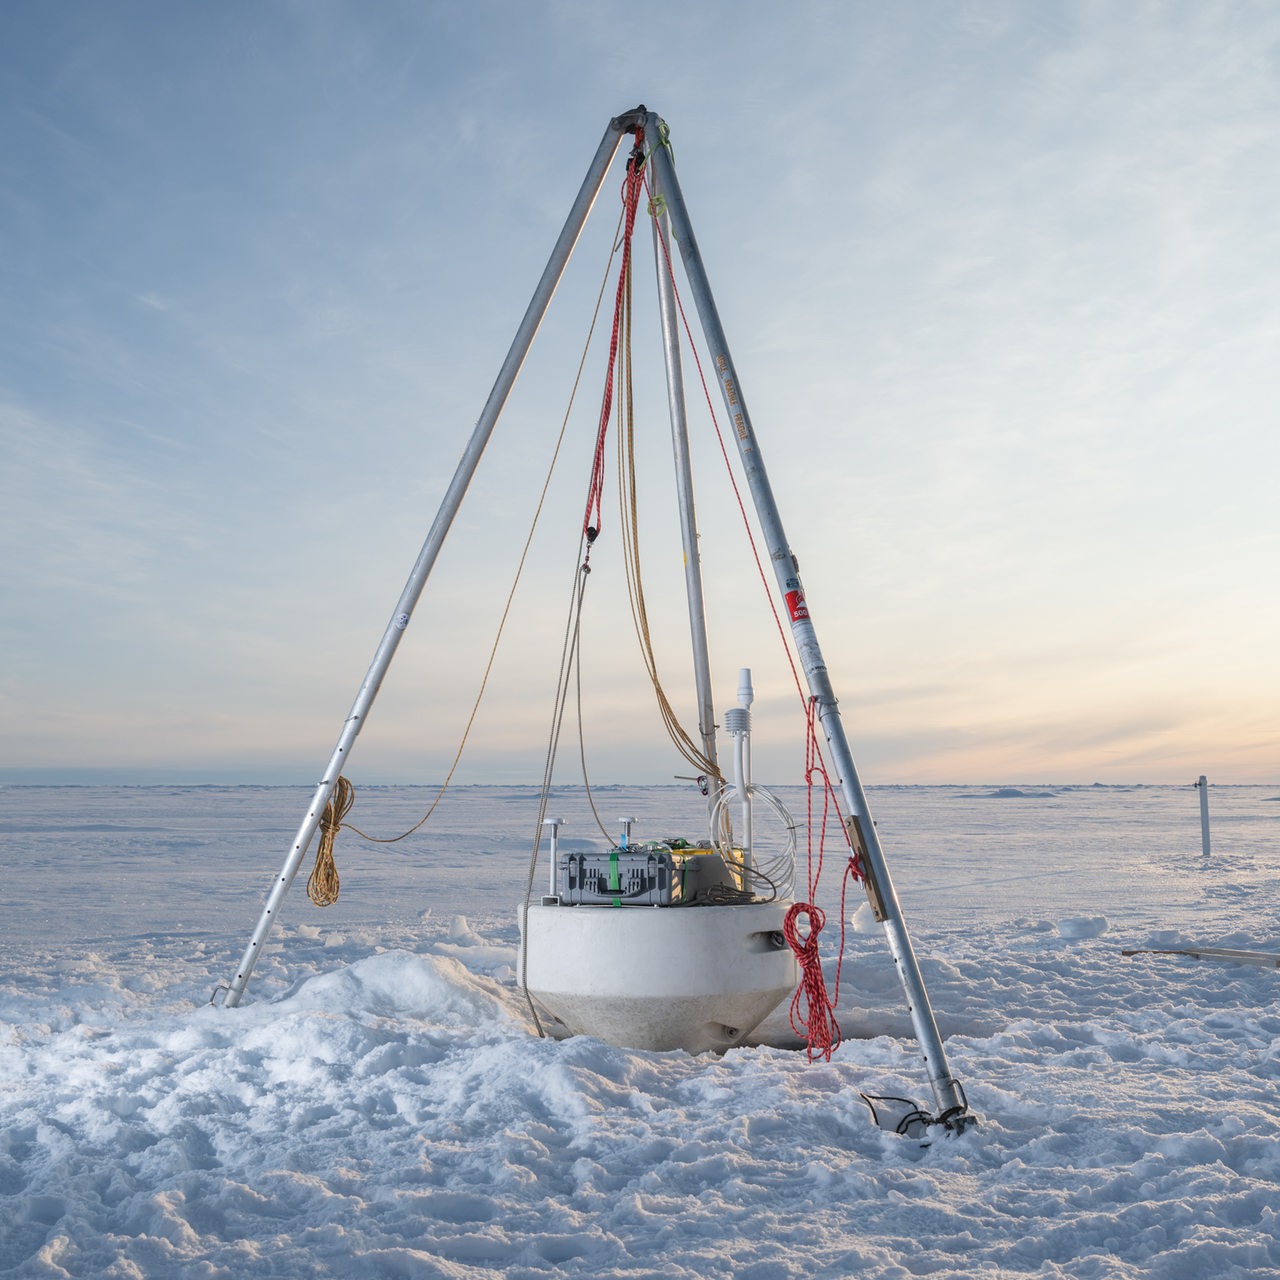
x,y
323,884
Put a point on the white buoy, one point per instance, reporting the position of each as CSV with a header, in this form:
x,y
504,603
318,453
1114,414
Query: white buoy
x,y
692,978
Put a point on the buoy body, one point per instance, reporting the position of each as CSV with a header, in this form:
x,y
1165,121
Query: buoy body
x,y
697,978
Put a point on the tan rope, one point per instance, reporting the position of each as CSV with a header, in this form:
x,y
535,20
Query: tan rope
x,y
630,522
323,883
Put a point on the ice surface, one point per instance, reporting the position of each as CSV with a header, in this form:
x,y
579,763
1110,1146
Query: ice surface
x,y
379,1107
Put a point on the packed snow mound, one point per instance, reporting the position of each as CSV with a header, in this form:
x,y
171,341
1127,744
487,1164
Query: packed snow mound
x,y
434,989
1082,926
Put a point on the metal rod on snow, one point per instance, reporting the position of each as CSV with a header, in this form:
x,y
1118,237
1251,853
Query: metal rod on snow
x,y
1203,786
947,1092
394,632
684,487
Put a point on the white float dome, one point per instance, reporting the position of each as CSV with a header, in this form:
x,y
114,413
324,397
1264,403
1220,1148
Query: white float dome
x,y
696,978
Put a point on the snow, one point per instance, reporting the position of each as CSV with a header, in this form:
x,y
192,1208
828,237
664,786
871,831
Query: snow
x,y
378,1106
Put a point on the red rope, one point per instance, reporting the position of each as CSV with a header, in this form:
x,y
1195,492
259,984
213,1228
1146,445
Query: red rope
x,y
632,185
815,769
812,1010
851,872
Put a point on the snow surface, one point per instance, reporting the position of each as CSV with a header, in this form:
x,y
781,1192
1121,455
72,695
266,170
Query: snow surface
x,y
378,1106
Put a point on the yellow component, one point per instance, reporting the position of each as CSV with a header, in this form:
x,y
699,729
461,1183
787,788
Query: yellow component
x,y
703,849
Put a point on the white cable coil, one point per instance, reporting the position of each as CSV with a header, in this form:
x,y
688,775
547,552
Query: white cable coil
x,y
777,870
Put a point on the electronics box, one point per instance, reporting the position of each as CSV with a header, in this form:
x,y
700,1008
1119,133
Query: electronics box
x,y
654,874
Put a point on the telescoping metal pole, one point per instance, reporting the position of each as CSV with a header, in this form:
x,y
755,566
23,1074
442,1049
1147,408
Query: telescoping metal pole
x,y
949,1096
394,632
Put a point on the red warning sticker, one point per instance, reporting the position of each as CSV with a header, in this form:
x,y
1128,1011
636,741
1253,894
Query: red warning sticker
x,y
796,606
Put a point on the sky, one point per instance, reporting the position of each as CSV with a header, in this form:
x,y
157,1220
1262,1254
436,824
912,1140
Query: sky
x,y
999,280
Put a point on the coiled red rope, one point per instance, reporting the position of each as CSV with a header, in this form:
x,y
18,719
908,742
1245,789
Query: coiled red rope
x,y
812,1011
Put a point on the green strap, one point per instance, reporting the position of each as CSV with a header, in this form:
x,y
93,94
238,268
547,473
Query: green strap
x,y
615,880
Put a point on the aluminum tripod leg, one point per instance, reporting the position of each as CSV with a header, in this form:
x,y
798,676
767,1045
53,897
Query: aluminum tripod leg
x,y
947,1092
684,492
435,540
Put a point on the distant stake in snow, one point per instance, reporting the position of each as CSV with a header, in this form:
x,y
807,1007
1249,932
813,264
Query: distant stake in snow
x,y
690,941
1203,785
